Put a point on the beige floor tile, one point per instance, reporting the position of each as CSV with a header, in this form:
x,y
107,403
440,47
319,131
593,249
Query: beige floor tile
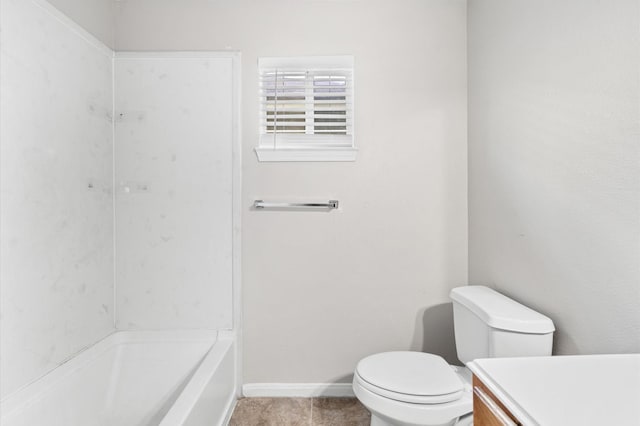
x,y
339,412
272,412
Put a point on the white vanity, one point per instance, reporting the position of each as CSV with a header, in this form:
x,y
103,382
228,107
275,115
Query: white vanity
x,y
557,391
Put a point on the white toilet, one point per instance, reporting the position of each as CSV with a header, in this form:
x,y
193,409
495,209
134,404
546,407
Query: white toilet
x,y
420,389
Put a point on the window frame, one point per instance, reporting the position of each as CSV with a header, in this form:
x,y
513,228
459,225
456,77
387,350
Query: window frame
x,y
307,146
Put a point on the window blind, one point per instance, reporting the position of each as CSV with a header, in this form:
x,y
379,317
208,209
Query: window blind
x,y
306,106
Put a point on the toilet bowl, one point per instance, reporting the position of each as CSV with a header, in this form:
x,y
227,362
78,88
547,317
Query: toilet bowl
x,y
406,388
413,389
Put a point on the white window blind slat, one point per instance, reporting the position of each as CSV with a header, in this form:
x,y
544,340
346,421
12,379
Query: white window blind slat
x,y
303,122
299,115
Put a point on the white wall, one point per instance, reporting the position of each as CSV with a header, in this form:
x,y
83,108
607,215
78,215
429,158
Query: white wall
x,y
56,240
554,165
174,195
95,16
322,290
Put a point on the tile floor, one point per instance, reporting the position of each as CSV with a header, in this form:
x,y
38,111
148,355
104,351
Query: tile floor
x,y
300,412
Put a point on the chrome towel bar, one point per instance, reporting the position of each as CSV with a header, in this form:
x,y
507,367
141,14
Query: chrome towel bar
x,y
261,204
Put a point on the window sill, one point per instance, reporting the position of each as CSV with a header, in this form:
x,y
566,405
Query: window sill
x,y
306,154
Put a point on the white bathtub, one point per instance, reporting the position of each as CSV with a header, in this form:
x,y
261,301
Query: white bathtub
x,y
134,379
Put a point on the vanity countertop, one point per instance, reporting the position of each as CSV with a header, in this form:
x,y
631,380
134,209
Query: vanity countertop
x,y
566,390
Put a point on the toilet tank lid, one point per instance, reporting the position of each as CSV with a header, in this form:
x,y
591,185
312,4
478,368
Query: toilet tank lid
x,y
499,311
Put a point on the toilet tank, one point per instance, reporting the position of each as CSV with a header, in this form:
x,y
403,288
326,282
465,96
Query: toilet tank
x,y
490,325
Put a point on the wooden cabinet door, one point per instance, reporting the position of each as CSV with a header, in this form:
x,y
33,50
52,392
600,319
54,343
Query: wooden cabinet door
x,y
487,409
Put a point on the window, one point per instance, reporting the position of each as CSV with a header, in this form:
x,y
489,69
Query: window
x,y
306,109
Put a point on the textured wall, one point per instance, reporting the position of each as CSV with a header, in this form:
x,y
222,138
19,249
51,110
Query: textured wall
x,y
56,268
173,200
554,165
322,290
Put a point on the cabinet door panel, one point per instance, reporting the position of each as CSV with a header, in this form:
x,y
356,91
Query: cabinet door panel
x,y
487,410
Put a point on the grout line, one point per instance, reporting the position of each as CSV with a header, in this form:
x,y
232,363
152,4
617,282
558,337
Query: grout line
x,y
311,407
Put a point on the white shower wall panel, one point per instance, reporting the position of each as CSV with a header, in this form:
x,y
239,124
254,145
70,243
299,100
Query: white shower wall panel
x,y
56,269
174,190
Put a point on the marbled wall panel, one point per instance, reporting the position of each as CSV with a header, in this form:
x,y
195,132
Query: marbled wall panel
x,y
55,191
173,171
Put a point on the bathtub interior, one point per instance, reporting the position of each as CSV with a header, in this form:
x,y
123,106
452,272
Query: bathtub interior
x,y
129,378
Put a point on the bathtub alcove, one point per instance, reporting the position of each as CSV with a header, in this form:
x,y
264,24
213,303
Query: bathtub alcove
x,y
120,265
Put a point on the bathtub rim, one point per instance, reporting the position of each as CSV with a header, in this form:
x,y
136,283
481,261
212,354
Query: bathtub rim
x,y
190,395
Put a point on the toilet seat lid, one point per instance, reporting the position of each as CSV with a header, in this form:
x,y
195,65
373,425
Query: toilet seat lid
x,y
412,374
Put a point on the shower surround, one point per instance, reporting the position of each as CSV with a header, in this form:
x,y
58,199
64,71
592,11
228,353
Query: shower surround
x,y
119,192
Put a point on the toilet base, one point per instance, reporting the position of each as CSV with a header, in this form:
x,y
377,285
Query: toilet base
x,y
377,421
462,421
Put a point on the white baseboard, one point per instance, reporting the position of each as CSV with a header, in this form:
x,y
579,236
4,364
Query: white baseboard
x,y
300,390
